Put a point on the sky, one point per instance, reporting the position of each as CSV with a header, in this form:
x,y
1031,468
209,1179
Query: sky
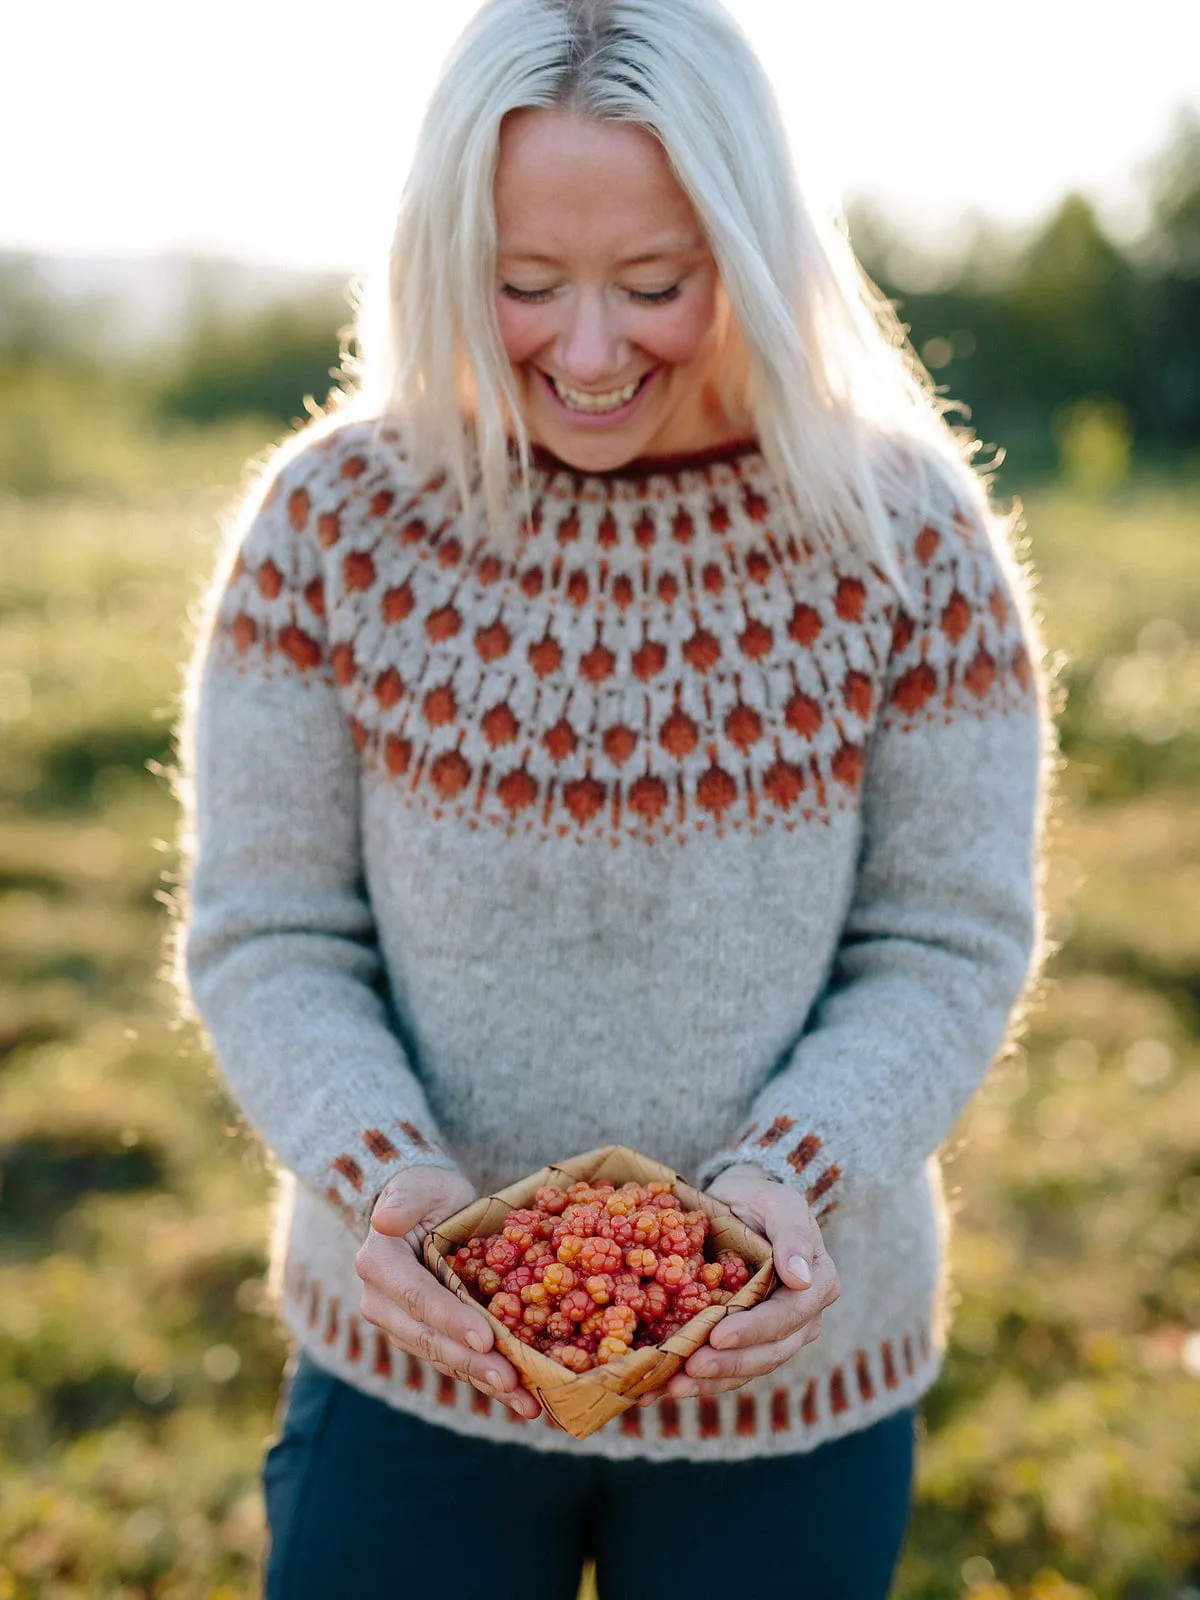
x,y
281,132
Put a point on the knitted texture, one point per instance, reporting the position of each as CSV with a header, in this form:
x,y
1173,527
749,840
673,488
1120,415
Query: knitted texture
x,y
661,826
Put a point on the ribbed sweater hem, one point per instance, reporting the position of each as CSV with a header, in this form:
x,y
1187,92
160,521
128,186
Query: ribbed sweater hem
x,y
777,1415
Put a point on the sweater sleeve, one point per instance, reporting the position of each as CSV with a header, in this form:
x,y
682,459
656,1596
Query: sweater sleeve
x,y
278,950
944,929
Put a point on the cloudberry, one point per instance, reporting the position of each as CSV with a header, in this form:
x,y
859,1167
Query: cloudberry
x,y
535,1316
586,1341
658,1187
582,1219
665,1202
579,1190
657,1300
618,1229
570,1249
674,1242
629,1292
558,1278
721,1297
692,1299
611,1350
577,1305
672,1218
507,1307
570,1355
518,1230
737,1273
619,1205
487,1279
551,1199
469,1269
539,1250
671,1272
646,1227
593,1322
600,1255
600,1286
502,1254
711,1274
525,1333
559,1327
642,1261
618,1322
516,1280
535,1294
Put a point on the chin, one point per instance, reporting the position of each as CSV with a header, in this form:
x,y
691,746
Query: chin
x,y
591,454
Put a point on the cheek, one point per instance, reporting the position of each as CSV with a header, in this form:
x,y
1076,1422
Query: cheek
x,y
523,329
677,333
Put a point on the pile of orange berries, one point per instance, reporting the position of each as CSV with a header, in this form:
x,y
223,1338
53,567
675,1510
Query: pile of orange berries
x,y
591,1272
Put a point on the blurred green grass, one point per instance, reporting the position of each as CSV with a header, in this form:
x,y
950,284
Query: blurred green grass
x,y
138,1357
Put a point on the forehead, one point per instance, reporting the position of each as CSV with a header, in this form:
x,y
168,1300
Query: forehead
x,y
565,182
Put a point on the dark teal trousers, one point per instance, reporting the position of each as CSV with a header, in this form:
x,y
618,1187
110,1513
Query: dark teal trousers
x,y
364,1500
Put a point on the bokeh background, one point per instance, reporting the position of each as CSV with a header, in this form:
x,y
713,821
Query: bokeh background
x,y
176,243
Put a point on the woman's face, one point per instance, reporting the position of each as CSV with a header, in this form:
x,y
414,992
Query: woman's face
x,y
607,293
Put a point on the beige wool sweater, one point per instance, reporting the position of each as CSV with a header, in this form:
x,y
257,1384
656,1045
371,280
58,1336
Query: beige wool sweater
x,y
659,825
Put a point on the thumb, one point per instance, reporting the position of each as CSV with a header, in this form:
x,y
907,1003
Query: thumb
x,y
394,1216
792,1249
421,1195
792,1263
402,1204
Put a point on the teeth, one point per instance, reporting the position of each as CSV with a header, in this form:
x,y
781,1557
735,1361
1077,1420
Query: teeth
x,y
578,401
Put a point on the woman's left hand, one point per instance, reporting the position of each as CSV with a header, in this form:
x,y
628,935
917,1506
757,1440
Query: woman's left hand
x,y
748,1344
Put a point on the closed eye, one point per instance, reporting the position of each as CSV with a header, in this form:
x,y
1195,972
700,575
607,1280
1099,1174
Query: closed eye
x,y
657,297
532,297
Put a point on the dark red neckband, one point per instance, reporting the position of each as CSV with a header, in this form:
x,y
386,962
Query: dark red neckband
x,y
646,466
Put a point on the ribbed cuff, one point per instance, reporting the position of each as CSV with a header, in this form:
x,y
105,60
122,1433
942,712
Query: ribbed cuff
x,y
357,1174
783,1151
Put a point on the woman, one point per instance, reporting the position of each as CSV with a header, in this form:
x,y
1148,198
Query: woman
x,y
621,720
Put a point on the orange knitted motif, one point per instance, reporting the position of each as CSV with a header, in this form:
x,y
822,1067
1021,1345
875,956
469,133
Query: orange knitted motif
x,y
737,1412
746,673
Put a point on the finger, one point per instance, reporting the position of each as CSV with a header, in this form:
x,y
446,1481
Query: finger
x,y
491,1372
519,1400
753,1362
683,1386
395,1272
779,1314
784,1216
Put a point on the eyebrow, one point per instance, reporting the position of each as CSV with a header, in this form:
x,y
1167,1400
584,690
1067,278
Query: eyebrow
x,y
661,252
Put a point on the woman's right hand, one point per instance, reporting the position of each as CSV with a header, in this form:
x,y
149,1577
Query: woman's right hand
x,y
416,1312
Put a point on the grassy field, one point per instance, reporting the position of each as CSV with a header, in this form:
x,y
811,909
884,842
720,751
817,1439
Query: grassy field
x,y
138,1360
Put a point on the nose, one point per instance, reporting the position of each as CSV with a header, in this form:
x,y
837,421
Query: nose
x,y
591,345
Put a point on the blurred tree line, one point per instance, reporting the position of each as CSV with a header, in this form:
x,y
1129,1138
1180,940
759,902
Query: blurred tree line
x,y
1068,348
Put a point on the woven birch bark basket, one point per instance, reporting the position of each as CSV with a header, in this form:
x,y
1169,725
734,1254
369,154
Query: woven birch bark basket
x,y
583,1402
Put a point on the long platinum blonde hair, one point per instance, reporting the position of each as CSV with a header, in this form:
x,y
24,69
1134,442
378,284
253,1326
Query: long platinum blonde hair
x,y
848,420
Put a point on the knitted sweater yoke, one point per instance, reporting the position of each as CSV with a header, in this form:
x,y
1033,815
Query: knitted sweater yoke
x,y
657,825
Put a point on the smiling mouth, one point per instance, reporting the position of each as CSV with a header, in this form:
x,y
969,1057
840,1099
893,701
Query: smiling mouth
x,y
612,400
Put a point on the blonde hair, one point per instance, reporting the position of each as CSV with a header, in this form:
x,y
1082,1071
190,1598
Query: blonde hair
x,y
848,420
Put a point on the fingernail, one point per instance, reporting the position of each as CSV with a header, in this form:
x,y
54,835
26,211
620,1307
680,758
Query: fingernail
x,y
495,1377
799,1268
477,1341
